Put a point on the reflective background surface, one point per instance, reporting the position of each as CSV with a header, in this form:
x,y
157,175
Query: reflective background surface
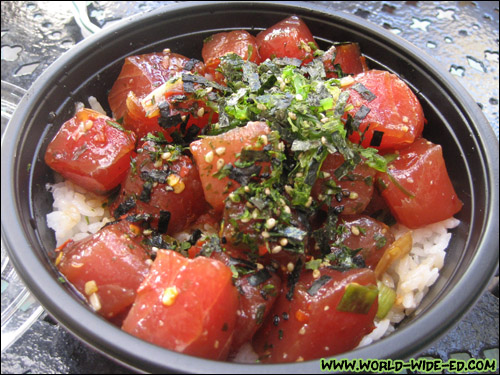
x,y
462,36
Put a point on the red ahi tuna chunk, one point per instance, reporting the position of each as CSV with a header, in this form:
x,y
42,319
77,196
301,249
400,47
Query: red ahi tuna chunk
x,y
91,150
107,268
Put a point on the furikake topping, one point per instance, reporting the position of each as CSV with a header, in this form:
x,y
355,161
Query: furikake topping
x,y
306,113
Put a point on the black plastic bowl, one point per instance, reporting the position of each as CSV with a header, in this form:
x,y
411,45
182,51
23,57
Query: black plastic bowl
x,y
454,121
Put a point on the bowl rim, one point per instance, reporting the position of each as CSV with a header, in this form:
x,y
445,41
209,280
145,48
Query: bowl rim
x,y
35,274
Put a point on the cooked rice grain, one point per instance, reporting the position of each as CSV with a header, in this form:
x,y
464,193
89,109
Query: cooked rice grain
x,y
76,212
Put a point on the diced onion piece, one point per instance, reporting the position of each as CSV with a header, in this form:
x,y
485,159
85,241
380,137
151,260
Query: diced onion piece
x,y
397,250
151,101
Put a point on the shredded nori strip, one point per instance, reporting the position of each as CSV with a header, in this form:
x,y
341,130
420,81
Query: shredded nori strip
x,y
188,87
312,174
155,175
170,121
191,64
124,207
164,108
191,134
360,115
363,91
376,138
195,236
254,155
244,175
293,233
203,81
163,221
293,277
341,103
145,195
210,246
242,263
156,240
259,277
317,284
139,217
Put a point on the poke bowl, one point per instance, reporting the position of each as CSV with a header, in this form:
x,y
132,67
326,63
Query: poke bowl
x,y
453,121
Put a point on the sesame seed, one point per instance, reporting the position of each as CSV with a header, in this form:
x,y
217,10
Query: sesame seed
x,y
355,230
316,274
353,195
209,156
302,331
246,189
259,266
263,139
166,155
88,124
292,115
267,191
283,242
270,223
299,97
90,287
179,187
287,210
220,164
346,81
201,112
276,249
59,258
309,202
173,179
149,262
220,150
326,308
95,302
158,163
169,295
266,234
261,106
290,267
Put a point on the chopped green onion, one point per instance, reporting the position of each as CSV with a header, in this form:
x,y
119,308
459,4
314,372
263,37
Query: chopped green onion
x,y
358,298
386,298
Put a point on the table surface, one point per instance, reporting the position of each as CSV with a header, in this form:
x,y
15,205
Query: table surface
x,y
461,35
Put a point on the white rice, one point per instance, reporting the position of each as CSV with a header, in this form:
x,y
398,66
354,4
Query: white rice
x,y
413,274
79,213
